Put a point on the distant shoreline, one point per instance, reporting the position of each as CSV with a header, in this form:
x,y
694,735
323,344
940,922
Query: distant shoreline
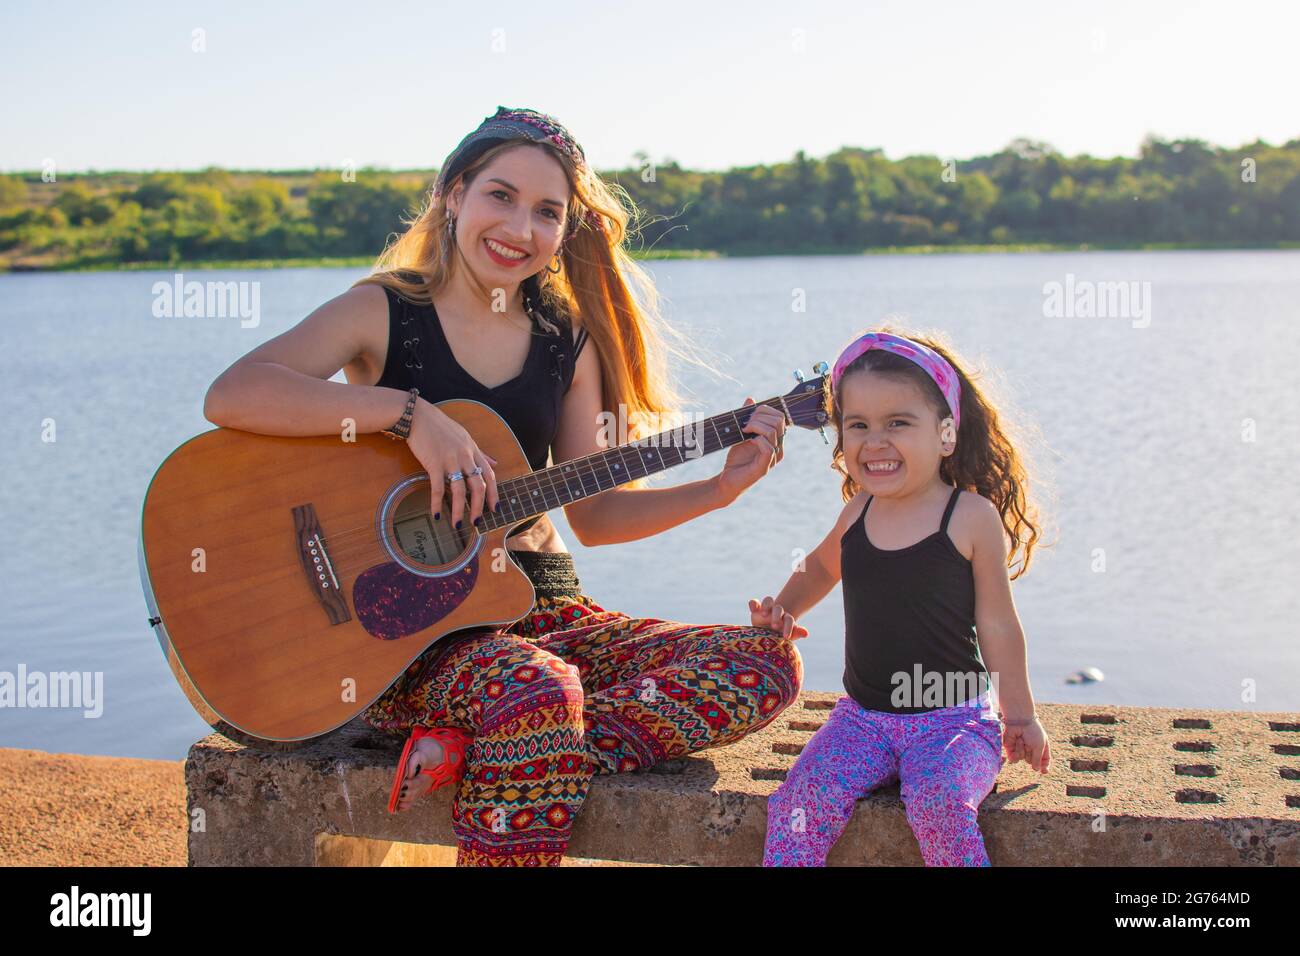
x,y
339,262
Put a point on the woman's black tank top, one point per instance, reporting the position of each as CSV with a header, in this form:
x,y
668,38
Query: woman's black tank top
x,y
909,613
419,356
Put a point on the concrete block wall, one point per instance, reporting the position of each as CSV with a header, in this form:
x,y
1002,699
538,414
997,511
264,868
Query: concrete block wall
x,y
1130,786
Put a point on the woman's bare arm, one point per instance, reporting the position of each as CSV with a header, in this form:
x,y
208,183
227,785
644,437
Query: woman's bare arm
x,y
282,388
627,514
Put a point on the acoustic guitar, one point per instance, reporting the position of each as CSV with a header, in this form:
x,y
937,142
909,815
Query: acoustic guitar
x,y
291,580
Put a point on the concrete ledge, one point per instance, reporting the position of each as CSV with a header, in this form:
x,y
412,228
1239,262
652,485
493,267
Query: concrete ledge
x,y
1129,786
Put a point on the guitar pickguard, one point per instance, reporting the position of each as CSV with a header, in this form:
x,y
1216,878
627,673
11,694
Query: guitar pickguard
x,y
392,602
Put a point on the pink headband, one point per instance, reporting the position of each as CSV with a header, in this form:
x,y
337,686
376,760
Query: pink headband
x,y
934,364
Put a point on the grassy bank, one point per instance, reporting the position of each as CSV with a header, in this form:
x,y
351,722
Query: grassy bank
x,y
310,262
1026,197
337,262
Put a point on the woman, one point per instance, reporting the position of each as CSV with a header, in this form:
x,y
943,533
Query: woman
x,y
492,294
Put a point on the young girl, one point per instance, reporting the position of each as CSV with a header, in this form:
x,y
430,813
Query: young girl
x,y
920,448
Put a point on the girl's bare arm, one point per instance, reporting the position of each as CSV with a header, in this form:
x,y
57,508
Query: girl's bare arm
x,y
997,625
821,568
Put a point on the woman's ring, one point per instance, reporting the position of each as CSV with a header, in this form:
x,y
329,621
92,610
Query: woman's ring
x,y
477,470
455,476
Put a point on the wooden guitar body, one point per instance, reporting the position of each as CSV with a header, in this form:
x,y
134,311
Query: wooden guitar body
x,y
291,581
278,581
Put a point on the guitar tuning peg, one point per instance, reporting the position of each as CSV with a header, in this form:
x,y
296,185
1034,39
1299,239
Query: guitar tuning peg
x,y
821,368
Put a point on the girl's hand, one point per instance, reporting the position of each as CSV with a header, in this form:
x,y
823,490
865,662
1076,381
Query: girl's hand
x,y
773,616
1028,743
442,446
750,460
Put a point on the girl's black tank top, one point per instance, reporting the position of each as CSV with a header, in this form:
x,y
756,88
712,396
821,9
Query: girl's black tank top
x,y
419,356
909,613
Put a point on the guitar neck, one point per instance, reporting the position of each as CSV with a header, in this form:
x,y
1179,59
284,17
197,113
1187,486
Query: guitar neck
x,y
558,485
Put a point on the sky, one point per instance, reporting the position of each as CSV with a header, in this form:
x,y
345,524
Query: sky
x,y
710,85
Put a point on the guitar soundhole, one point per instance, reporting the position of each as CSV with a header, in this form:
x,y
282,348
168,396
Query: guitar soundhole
x,y
424,540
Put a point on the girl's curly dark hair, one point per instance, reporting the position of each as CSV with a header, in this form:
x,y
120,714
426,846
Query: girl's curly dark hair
x,y
984,460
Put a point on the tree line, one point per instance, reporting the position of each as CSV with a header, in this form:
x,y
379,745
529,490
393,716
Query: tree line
x,y
1179,192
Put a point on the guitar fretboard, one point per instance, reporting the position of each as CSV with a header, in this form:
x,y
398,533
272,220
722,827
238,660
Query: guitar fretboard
x,y
558,485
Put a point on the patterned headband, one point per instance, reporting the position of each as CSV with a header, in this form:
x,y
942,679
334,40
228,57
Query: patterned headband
x,y
935,365
506,125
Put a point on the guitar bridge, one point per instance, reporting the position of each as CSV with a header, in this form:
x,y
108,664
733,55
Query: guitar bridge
x,y
316,563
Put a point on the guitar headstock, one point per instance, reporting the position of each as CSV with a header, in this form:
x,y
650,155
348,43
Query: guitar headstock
x,y
808,403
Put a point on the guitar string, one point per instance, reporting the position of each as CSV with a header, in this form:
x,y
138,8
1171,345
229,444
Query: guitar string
x,y
343,547
557,488
586,461
553,490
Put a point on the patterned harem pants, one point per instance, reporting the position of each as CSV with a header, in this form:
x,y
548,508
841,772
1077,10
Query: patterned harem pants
x,y
572,690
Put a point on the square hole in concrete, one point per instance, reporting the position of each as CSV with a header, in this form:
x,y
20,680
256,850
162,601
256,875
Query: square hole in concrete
x,y
1197,796
1079,790
1089,766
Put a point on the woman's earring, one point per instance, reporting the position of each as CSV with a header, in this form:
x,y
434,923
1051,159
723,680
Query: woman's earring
x,y
450,239
558,265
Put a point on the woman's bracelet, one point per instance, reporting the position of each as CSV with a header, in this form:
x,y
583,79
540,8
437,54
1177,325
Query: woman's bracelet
x,y
402,427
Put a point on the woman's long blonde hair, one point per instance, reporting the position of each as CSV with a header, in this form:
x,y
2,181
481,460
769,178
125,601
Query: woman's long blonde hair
x,y
597,281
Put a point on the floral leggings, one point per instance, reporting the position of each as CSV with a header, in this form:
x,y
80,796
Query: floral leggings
x,y
572,690
946,760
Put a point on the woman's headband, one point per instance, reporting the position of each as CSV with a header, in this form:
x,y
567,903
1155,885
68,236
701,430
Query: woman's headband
x,y
506,125
935,365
